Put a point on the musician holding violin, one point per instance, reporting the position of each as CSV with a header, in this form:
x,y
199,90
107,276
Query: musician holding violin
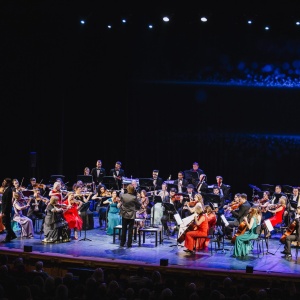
x,y
294,235
113,215
277,210
71,214
57,192
34,185
238,214
37,206
55,226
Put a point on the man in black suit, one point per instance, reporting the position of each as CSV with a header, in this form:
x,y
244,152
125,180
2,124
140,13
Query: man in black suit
x,y
157,181
117,173
98,173
7,209
129,205
181,182
238,215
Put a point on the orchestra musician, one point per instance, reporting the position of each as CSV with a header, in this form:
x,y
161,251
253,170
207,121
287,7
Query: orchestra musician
x,y
189,206
294,236
101,194
224,187
7,195
195,168
19,205
57,192
183,210
263,205
142,212
90,186
277,194
33,184
277,210
169,208
157,181
181,182
239,213
55,226
98,173
202,186
200,228
84,197
71,214
118,173
37,206
227,208
293,203
113,215
242,246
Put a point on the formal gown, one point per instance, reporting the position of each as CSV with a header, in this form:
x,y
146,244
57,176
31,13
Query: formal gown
x,y
25,223
113,217
190,236
72,217
243,244
277,218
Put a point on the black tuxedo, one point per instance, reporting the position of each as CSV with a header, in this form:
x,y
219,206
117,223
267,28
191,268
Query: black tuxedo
x,y
158,184
184,184
98,179
118,178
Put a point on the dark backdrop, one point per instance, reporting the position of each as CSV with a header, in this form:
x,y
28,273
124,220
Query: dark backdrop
x,y
73,94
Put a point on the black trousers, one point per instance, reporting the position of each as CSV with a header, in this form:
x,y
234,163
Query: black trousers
x,y
127,226
7,223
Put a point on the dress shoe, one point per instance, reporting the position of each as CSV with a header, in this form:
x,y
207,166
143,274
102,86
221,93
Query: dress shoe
x,y
288,256
122,246
283,252
129,246
6,240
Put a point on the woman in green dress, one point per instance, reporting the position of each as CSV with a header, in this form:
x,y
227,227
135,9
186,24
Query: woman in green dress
x,y
113,216
243,244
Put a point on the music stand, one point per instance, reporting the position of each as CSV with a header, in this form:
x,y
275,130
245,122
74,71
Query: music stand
x,y
85,178
109,182
157,199
84,208
53,178
191,176
210,197
146,183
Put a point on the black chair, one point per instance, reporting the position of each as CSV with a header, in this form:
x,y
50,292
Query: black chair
x,y
259,241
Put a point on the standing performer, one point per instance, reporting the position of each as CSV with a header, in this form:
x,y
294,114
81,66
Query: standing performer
x,y
113,216
98,173
199,228
128,205
7,209
118,174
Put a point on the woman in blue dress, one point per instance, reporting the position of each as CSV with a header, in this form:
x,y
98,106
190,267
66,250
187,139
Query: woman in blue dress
x,y
243,244
113,216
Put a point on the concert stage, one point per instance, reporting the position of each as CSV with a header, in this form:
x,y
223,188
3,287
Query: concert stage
x,y
96,249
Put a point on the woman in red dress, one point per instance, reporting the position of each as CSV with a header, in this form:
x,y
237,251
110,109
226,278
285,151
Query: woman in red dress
x,y
200,224
278,211
71,214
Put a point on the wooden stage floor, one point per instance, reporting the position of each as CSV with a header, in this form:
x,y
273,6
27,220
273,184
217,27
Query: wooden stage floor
x,y
98,249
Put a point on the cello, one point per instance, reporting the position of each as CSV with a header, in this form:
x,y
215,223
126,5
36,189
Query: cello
x,y
288,232
241,230
191,226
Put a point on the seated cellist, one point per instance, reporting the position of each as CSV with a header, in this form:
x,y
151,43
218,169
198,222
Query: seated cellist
x,y
199,229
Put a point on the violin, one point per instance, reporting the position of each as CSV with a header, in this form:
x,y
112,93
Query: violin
x,y
235,206
176,198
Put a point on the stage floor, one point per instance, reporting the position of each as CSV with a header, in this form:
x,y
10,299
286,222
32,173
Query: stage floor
x,y
99,247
